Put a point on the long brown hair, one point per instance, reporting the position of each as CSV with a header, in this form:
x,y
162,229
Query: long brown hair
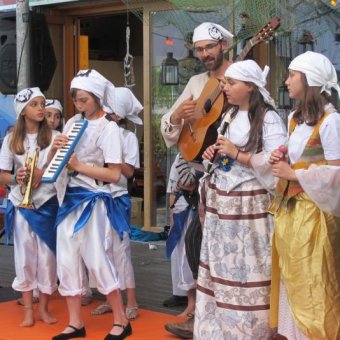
x,y
16,144
257,110
311,108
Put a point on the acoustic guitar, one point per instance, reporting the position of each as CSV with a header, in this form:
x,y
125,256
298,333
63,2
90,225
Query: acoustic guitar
x,y
200,131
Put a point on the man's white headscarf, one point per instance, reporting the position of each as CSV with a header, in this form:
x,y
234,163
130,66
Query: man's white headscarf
x,y
250,71
93,82
53,104
24,97
318,69
126,105
211,31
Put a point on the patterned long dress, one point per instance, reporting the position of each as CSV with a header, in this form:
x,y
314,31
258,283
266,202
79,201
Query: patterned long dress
x,y
234,277
235,266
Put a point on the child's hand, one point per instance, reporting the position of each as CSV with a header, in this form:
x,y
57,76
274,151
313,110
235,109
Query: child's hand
x,y
37,177
21,175
283,170
59,142
225,147
73,163
209,152
278,155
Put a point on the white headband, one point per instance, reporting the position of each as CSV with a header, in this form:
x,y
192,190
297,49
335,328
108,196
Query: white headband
x,y
250,71
93,82
318,69
126,105
53,104
24,97
211,31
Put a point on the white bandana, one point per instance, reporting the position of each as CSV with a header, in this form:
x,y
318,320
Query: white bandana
x,y
250,71
93,82
318,69
211,31
24,97
126,105
53,104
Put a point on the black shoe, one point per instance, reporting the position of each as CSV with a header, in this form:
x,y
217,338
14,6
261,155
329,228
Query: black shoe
x,y
176,300
77,333
127,330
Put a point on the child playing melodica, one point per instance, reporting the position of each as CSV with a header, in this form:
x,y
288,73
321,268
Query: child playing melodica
x,y
233,286
32,226
305,298
88,222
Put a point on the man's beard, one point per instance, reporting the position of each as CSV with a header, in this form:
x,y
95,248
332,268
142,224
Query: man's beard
x,y
216,65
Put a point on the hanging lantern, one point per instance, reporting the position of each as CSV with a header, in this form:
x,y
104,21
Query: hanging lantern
x,y
307,41
169,70
285,102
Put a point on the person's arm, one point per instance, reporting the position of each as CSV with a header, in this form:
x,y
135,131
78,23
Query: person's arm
x,y
172,121
128,170
110,174
6,178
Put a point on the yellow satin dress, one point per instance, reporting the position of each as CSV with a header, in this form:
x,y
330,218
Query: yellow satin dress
x,y
306,256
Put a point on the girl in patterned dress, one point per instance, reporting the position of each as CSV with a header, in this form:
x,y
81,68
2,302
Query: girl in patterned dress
x,y
233,284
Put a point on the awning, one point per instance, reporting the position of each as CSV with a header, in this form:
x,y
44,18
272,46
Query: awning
x,y
11,4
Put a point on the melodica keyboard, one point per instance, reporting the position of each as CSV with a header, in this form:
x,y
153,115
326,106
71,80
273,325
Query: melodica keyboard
x,y
64,153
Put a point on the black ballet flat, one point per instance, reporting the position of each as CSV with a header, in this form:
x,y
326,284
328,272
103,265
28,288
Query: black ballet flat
x,y
127,330
77,333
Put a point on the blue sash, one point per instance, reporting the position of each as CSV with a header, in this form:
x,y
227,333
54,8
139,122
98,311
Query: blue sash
x,y
40,220
176,230
117,209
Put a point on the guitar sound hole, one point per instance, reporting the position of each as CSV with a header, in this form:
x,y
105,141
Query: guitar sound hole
x,y
207,106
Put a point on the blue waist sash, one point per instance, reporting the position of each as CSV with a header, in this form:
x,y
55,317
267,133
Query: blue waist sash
x,y
40,220
176,230
117,209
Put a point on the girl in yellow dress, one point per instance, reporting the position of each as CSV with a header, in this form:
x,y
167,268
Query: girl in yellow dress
x,y
305,298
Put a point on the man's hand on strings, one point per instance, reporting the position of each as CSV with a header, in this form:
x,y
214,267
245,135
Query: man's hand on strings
x,y
184,111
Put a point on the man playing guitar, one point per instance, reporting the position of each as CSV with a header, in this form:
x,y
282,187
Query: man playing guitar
x,y
209,41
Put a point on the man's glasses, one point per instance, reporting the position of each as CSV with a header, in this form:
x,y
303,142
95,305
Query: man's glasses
x,y
208,48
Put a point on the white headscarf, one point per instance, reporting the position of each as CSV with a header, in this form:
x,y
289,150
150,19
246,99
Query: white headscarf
x,y
24,97
93,82
250,71
127,105
54,104
318,69
211,31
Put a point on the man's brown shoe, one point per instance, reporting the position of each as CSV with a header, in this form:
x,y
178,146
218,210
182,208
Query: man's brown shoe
x,y
184,330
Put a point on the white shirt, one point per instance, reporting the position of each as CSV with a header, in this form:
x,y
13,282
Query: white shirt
x,y
107,150
273,131
8,160
130,150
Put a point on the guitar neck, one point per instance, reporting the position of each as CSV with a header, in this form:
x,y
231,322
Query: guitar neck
x,y
245,51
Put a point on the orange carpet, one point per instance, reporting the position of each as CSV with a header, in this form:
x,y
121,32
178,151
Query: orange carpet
x,y
149,325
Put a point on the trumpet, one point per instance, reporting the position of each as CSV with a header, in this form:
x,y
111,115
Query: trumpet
x,y
27,189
